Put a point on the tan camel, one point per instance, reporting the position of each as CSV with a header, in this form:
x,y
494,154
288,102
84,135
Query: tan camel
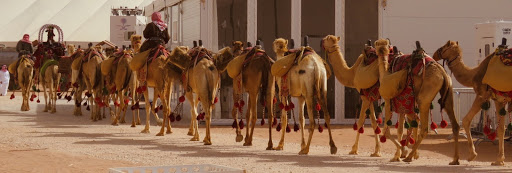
x,y
91,73
24,73
472,77
136,41
306,80
49,78
202,73
426,87
255,79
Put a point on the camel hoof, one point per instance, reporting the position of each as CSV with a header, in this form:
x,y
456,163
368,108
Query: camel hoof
x,y
239,138
145,131
472,156
270,147
190,133
353,152
303,152
195,139
247,144
396,159
208,143
334,150
168,132
138,123
375,155
455,162
498,163
408,159
45,110
416,156
123,121
115,124
160,134
278,148
53,111
133,125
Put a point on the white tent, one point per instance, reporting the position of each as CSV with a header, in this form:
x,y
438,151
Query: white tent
x,y
80,20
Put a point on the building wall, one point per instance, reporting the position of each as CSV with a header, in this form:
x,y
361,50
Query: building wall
x,y
274,21
232,21
191,22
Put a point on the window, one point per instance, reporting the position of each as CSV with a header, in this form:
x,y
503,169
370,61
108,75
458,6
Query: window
x,y
175,29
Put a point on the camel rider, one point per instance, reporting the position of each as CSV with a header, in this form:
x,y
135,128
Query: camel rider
x,y
24,46
156,33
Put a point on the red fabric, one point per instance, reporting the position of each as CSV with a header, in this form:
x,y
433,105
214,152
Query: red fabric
x,y
371,56
156,17
507,94
404,102
404,61
506,57
26,39
372,93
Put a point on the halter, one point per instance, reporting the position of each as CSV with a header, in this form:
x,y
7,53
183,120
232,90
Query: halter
x,y
440,53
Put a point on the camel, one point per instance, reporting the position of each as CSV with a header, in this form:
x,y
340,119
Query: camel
x,y
136,41
90,69
49,78
347,76
424,89
255,79
24,73
306,80
472,77
202,73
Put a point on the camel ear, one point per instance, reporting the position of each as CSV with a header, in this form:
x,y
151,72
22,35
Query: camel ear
x,y
449,42
233,43
457,42
338,38
286,42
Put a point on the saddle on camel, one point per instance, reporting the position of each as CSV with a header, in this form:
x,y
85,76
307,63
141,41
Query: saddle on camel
x,y
496,75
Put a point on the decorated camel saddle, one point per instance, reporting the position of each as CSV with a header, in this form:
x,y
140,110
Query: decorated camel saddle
x,y
367,75
499,71
294,57
236,66
141,61
414,65
51,49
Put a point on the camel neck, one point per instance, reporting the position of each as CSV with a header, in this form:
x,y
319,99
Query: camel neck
x,y
343,73
462,73
383,66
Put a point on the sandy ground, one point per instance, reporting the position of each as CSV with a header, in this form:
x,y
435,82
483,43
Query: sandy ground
x,y
35,141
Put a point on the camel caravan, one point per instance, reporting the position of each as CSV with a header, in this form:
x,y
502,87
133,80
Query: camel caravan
x,y
108,82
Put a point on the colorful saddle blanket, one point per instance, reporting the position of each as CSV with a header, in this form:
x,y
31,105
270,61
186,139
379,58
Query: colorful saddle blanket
x,y
506,57
405,101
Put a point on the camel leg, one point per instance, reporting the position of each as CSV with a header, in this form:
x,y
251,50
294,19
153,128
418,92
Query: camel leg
x,y
248,119
148,111
270,110
156,93
46,106
387,133
301,105
166,122
54,94
122,106
466,123
400,134
208,110
167,106
501,134
115,121
50,95
193,114
374,126
284,122
360,123
234,113
309,104
327,117
411,117
455,128
253,102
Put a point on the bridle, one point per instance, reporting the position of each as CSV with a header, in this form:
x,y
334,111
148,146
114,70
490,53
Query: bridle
x,y
440,53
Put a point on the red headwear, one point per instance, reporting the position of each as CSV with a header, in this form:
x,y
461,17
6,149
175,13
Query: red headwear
x,y
26,39
4,69
156,17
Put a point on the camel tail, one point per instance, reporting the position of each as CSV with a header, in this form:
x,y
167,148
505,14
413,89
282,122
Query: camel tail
x,y
211,85
446,93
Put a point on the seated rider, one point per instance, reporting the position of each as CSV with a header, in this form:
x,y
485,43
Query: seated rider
x,y
156,33
24,46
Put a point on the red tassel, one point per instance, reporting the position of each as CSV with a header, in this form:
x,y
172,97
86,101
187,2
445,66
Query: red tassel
x,y
396,125
411,141
182,99
198,98
161,107
31,99
295,127
383,139
171,117
274,122
487,130
12,96
320,129
291,105
116,103
262,121
278,128
492,136
281,106
237,105
377,130
288,130
318,107
216,100
444,124
242,103
403,142
379,120
38,101
286,108
144,88
133,107
88,108
354,126
361,130
126,101
178,118
234,124
274,100
241,124
433,125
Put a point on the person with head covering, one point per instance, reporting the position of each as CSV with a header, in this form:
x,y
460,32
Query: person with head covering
x,y
4,80
156,33
24,46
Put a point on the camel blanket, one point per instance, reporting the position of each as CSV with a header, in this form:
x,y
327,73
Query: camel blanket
x,y
235,66
46,64
106,66
498,74
76,64
12,67
283,65
139,60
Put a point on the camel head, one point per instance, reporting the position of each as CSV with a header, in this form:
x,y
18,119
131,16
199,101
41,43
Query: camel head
x,y
330,43
280,46
135,39
450,50
71,49
238,47
222,59
382,47
179,57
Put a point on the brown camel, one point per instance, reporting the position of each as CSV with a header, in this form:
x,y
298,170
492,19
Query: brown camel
x,y
255,79
347,76
202,73
49,78
425,87
24,73
91,73
306,80
472,77
136,41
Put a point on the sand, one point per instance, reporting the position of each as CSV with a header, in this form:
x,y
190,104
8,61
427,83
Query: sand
x,y
36,141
